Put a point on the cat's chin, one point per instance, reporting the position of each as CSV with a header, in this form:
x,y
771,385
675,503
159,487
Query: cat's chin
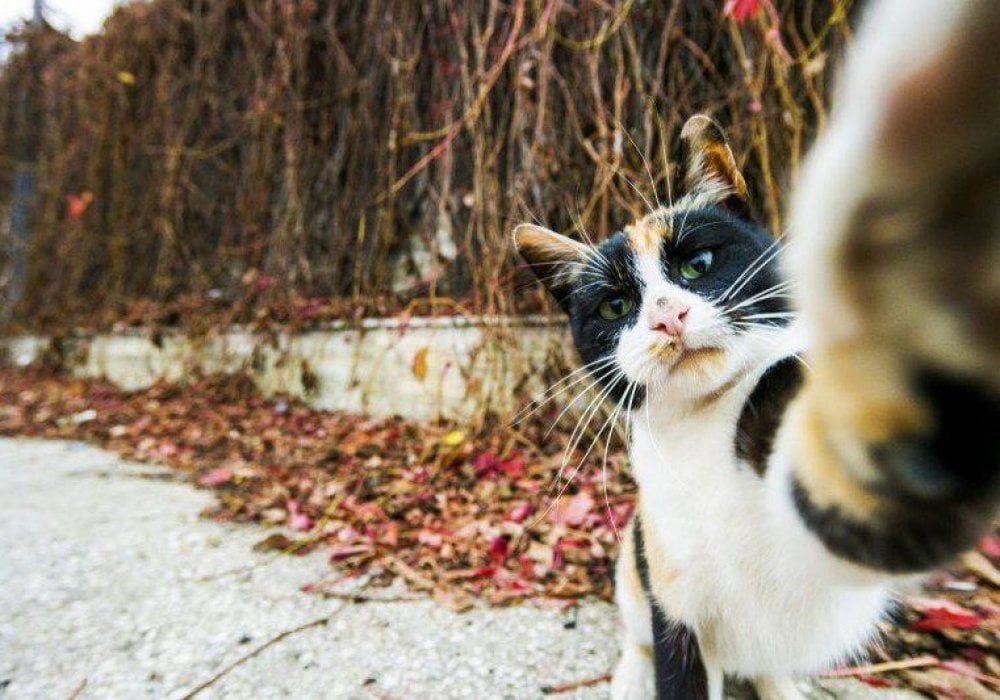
x,y
693,373
698,360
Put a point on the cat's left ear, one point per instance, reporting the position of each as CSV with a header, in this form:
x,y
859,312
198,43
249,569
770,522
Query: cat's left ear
x,y
712,175
555,259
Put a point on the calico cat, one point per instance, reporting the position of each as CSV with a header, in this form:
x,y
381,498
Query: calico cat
x,y
794,462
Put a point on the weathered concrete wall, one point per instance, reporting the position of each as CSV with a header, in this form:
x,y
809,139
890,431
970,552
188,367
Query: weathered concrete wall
x,y
421,368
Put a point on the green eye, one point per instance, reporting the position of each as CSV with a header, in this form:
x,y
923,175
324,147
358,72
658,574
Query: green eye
x,y
614,308
697,265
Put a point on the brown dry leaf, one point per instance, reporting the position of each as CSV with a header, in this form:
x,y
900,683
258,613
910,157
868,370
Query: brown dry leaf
x,y
420,363
981,567
455,599
946,684
275,543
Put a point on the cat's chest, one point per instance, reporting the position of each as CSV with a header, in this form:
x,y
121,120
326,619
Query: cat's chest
x,y
705,504
688,460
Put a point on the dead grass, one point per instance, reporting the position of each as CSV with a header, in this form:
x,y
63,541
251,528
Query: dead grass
x,y
379,150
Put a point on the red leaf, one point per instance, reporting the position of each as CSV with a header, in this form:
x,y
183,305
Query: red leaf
x,y
513,467
264,282
939,613
486,465
573,510
499,546
77,204
741,10
390,535
344,551
874,681
990,546
216,477
520,512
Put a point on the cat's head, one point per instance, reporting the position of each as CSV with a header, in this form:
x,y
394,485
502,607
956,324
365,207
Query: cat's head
x,y
683,301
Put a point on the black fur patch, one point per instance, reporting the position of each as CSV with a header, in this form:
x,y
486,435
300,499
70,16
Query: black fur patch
x,y
899,541
939,490
611,273
745,262
680,668
763,411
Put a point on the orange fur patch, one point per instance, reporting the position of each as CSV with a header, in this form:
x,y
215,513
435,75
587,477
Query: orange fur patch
x,y
661,574
861,389
646,234
820,470
699,359
718,159
629,570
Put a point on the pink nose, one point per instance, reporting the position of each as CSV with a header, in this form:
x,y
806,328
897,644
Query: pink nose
x,y
668,319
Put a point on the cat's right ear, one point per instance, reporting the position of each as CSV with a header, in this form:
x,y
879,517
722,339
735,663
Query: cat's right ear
x,y
712,173
555,259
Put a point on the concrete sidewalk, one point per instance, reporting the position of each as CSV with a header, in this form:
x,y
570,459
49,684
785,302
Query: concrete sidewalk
x,y
113,587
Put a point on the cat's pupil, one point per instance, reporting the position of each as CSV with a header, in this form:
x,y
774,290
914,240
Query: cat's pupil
x,y
614,308
697,265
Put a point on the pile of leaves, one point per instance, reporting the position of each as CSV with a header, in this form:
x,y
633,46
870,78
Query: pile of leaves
x,y
459,515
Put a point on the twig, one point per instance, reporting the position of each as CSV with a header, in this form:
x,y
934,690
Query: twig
x,y
901,664
77,690
575,685
362,598
246,657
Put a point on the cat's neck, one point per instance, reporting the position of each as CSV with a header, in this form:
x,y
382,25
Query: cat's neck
x,y
672,418
672,442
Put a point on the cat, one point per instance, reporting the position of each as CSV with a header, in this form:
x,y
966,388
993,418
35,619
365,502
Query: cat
x,y
810,426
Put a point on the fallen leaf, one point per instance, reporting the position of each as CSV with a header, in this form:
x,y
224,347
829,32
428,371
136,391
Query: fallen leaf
x,y
520,512
572,510
216,477
941,613
419,366
990,546
981,567
453,438
275,543
454,599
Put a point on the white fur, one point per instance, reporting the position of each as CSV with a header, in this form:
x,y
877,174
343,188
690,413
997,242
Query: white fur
x,y
844,167
761,593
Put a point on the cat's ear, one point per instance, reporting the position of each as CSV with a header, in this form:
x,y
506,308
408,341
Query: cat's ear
x,y
555,259
712,175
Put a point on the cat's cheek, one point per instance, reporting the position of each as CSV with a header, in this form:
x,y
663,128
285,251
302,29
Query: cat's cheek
x,y
633,353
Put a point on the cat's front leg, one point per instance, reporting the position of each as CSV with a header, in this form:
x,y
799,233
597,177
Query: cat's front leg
x,y
661,657
894,443
634,675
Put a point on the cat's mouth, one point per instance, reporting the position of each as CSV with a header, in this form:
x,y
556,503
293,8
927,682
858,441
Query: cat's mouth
x,y
693,357
682,357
